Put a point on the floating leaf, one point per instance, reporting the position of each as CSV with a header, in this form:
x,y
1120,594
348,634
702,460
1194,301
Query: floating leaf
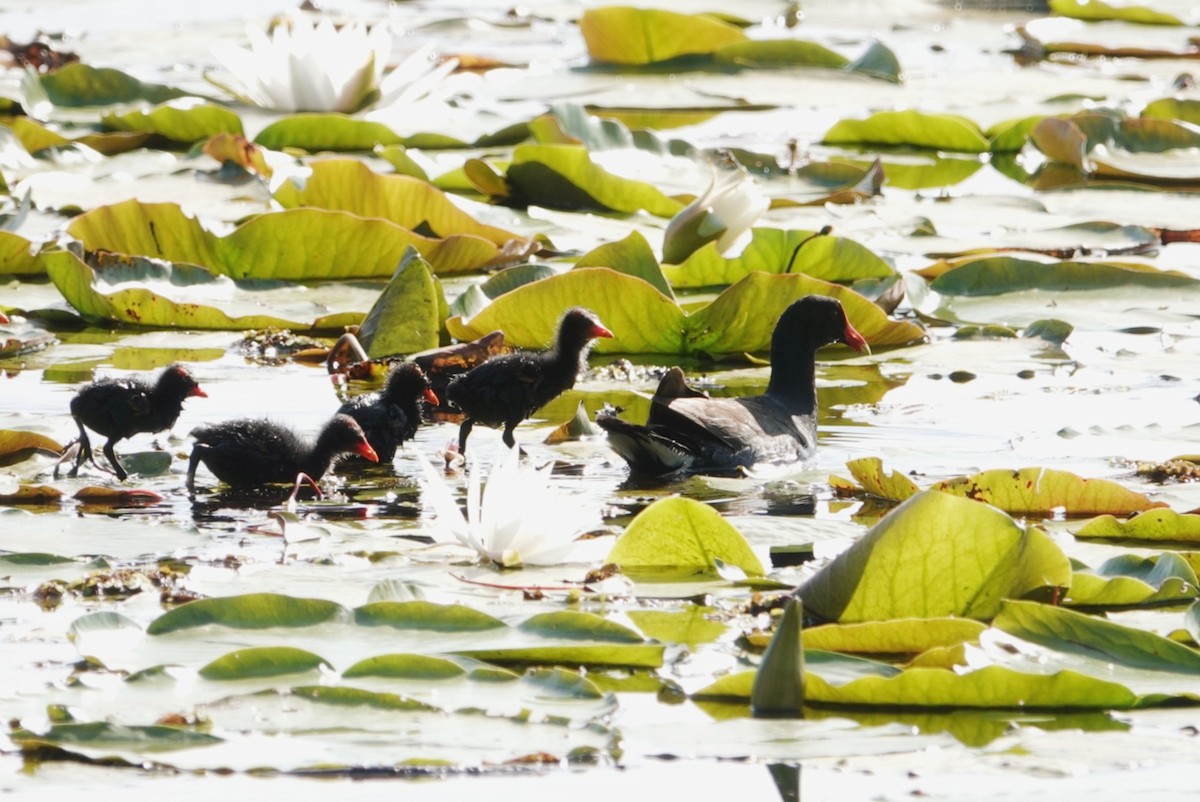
x,y
868,472
179,121
614,655
575,625
642,319
635,36
407,316
262,661
315,132
31,494
1072,632
632,256
418,614
774,251
691,626
121,291
680,532
356,697
300,243
248,611
1128,580
1047,490
1096,10
16,445
899,636
566,177
104,735
779,53
1154,525
722,327
935,555
351,186
80,84
16,256
405,666
911,128
999,274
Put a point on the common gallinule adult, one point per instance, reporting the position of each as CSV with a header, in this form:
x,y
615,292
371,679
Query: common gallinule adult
x,y
120,408
507,389
688,431
392,416
249,452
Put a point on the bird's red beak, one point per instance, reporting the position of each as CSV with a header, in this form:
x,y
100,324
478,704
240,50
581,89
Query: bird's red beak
x,y
198,392
365,451
600,331
431,397
852,338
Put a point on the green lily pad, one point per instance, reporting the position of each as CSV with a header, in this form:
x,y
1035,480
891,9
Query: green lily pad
x,y
316,132
722,327
680,532
248,611
298,244
1096,10
1046,490
575,625
138,292
179,121
691,626
407,316
351,186
911,129
632,256
1171,108
405,666
1162,523
1072,632
16,256
418,614
261,661
80,84
635,36
1129,580
611,655
936,555
999,274
566,177
779,53
359,697
641,318
774,251
106,735
900,636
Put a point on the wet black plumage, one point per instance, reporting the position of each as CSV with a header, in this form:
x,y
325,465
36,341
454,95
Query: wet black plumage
x,y
390,417
507,389
249,452
120,408
688,431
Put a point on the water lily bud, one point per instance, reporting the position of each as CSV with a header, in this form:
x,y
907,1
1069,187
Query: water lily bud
x,y
727,209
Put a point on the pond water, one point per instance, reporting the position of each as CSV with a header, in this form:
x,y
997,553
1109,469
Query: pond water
x,y
1120,390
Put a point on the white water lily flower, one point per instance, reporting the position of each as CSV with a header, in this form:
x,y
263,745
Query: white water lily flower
x,y
516,519
301,66
725,212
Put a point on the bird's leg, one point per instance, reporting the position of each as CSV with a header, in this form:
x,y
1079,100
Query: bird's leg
x,y
112,458
85,450
509,440
464,431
